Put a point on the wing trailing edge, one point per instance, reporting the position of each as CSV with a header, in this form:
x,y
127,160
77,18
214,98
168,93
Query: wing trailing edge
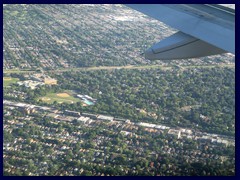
x,y
181,46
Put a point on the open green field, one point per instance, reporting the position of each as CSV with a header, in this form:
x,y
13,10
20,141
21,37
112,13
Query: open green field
x,y
59,98
9,80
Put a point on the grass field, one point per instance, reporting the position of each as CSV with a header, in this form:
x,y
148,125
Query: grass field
x,y
8,80
59,98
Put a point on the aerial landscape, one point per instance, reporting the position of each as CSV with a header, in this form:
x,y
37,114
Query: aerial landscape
x,y
80,99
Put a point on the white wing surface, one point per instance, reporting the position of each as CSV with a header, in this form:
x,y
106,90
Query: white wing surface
x,y
204,29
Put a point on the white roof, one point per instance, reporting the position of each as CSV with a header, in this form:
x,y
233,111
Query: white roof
x,y
110,118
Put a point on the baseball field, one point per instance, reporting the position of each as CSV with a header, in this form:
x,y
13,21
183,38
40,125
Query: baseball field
x,y
59,98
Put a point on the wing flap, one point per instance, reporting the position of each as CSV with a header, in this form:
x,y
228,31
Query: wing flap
x,y
181,46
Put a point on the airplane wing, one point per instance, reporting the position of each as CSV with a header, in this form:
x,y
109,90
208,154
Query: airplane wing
x,y
204,29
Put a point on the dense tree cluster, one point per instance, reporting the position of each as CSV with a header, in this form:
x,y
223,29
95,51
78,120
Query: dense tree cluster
x,y
201,98
198,98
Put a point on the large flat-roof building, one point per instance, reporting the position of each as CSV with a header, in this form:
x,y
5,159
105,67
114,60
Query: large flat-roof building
x,y
106,118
